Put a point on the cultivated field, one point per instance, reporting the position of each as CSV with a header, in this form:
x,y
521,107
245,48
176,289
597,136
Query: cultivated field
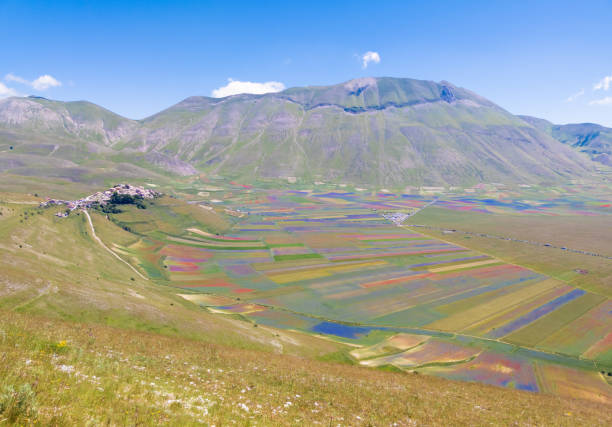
x,y
383,280
335,265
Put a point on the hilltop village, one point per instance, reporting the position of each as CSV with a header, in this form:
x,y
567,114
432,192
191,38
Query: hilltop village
x,y
103,197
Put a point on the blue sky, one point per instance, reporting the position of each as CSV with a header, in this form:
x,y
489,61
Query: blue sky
x,y
136,58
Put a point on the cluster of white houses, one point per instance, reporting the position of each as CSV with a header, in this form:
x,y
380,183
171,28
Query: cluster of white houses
x,y
102,197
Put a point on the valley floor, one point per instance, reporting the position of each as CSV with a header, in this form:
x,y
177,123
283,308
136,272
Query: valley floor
x,y
252,307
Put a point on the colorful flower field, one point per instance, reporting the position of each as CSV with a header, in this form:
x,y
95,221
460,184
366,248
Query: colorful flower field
x,y
332,264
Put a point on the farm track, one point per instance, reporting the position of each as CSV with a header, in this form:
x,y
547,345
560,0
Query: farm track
x,y
97,239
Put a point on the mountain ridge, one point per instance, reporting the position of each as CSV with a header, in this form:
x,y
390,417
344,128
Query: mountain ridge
x,y
382,131
590,138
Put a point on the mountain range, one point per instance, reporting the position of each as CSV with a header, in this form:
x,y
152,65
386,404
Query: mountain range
x,y
589,138
378,131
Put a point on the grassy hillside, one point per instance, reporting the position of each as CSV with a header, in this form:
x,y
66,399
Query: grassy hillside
x,y
54,372
52,266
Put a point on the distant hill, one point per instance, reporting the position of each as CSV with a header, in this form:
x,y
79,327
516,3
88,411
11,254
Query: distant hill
x,y
378,131
592,139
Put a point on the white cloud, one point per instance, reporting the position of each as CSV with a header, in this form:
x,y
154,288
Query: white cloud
x,y
43,82
5,92
575,96
604,101
603,84
370,57
234,87
13,78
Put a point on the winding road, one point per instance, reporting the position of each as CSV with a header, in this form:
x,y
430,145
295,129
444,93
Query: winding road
x,y
97,239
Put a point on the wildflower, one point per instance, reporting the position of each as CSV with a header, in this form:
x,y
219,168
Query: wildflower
x,y
66,368
61,344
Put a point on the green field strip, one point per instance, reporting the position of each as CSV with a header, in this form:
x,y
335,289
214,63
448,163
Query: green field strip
x,y
291,265
410,260
449,263
542,328
507,314
203,245
604,358
351,265
395,239
177,277
446,293
199,237
360,256
578,336
285,245
467,303
469,266
274,293
601,351
441,364
292,257
414,316
373,337
325,270
153,271
474,315
461,269
386,348
423,301
414,358
218,244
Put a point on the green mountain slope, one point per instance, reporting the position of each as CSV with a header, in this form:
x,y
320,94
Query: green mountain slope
x,y
592,139
378,131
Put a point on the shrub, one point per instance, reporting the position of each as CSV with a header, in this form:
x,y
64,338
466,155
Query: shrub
x,y
18,403
125,199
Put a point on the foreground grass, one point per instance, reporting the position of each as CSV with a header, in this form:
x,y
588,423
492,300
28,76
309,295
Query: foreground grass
x,y
61,373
